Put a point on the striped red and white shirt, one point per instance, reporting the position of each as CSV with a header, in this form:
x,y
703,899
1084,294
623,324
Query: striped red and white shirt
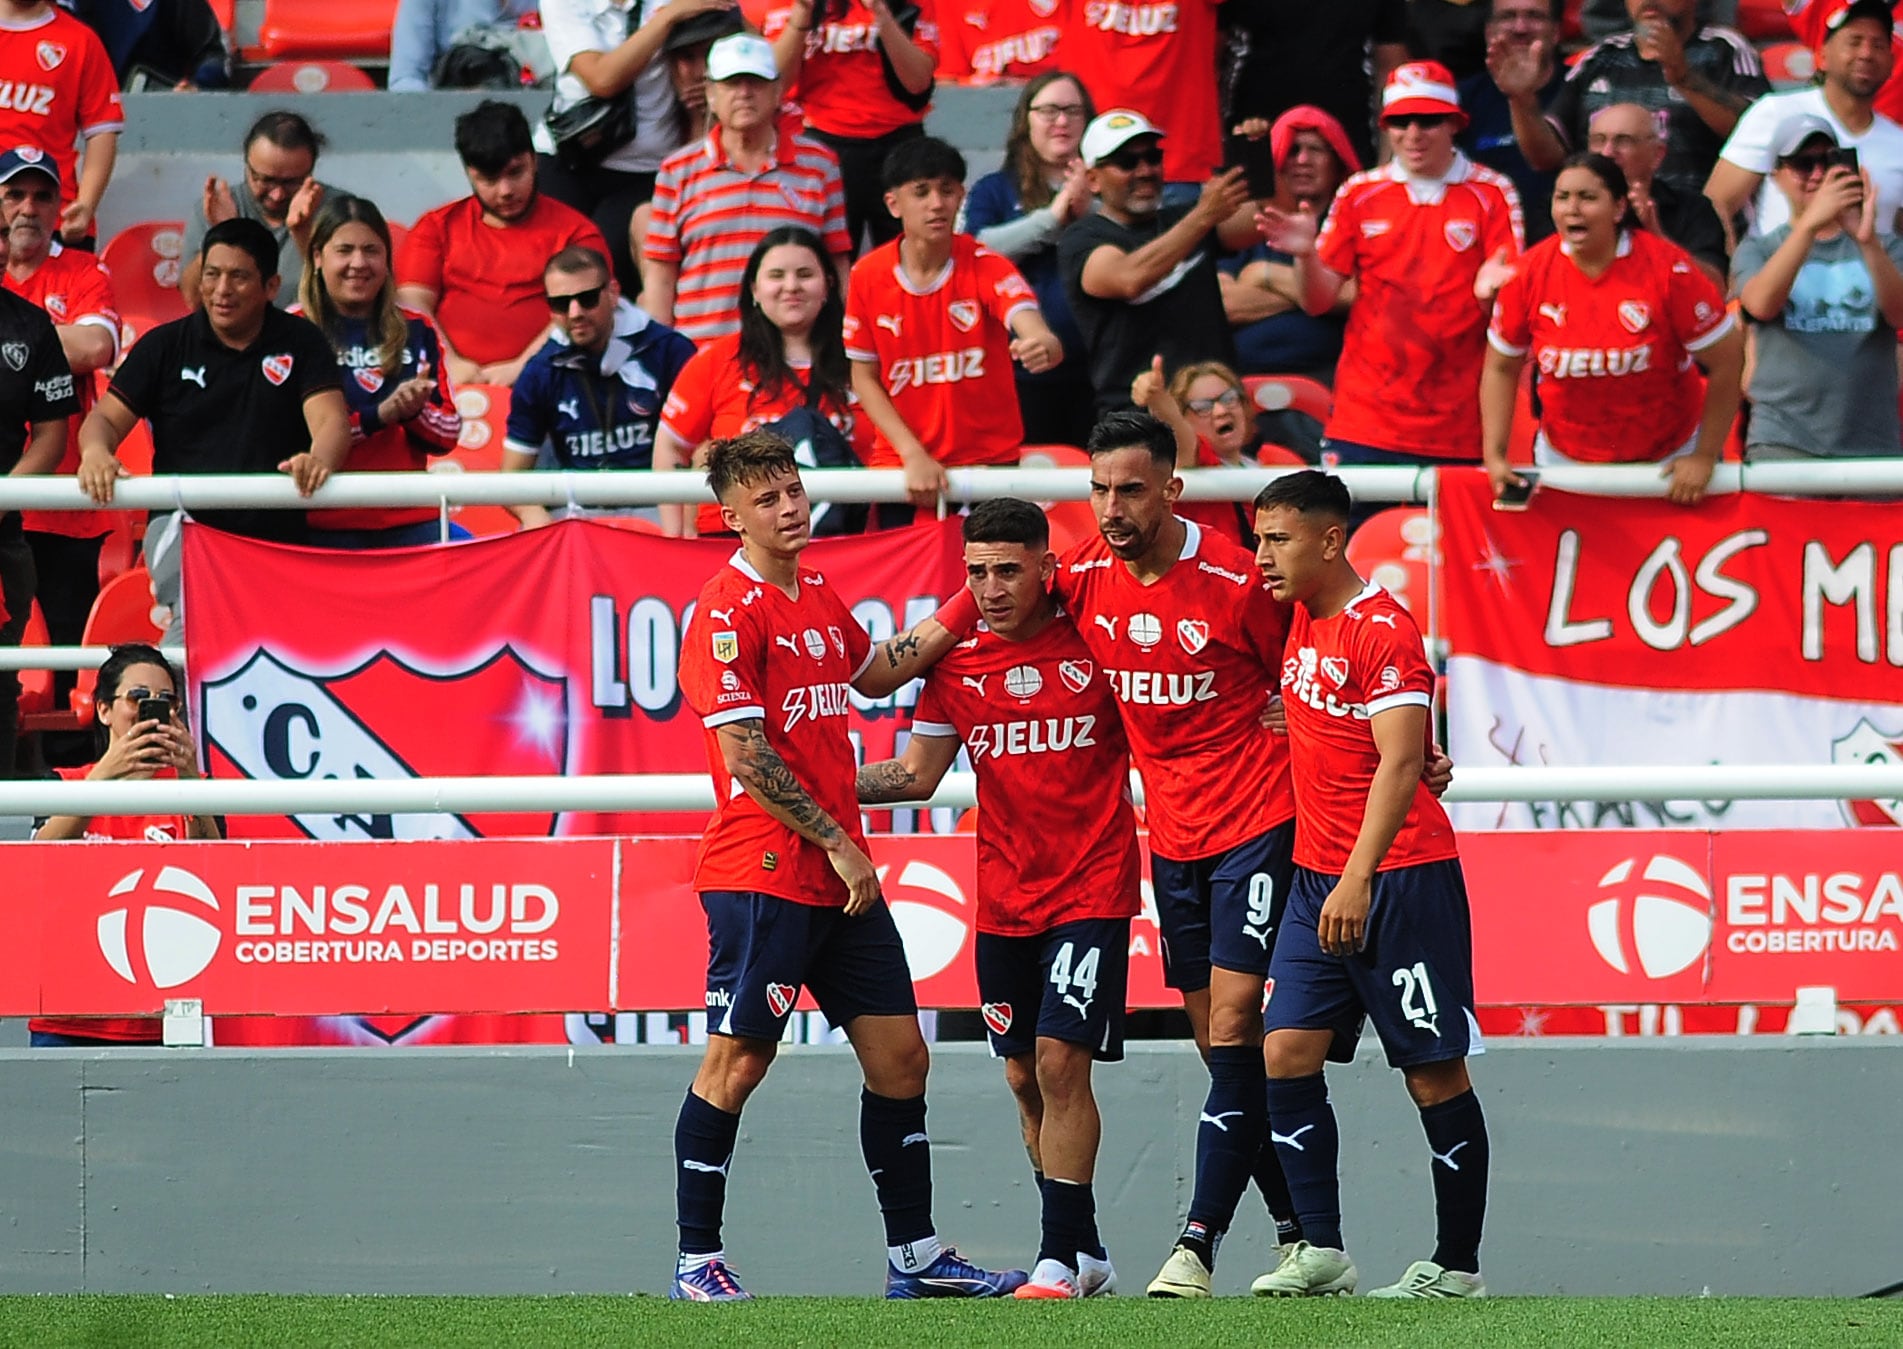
x,y
709,214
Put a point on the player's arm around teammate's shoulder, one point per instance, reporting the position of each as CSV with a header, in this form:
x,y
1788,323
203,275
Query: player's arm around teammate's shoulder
x,y
914,775
758,768
897,661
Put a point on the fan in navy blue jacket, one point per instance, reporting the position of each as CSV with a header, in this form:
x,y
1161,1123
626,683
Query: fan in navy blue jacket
x,y
593,393
401,412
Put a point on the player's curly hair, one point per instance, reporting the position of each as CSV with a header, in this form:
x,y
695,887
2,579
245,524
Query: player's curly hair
x,y
740,461
1309,492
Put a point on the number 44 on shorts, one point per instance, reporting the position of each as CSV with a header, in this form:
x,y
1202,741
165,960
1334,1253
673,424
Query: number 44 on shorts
x,y
1075,983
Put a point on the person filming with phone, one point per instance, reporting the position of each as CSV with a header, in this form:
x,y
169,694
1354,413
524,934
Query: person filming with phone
x,y
143,735
1614,318
1824,295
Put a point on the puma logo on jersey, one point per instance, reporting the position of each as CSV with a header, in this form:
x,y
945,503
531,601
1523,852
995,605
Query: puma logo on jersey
x,y
1386,619
1108,624
976,682
724,615
791,644
36,100
941,367
570,408
1555,312
890,322
195,375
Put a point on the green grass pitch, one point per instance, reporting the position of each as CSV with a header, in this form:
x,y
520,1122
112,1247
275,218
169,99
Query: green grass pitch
x,y
206,1322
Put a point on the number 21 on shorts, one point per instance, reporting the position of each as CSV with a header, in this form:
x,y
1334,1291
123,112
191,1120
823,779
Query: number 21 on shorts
x,y
1075,983
1417,997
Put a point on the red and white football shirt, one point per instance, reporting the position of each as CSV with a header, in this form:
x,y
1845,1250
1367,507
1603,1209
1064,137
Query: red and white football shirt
x,y
1614,352
1193,659
1057,835
1339,673
750,653
944,352
60,87
841,85
73,288
1158,59
1409,375
985,40
714,397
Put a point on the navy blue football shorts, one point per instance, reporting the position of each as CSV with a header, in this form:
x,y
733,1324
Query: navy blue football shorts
x,y
1070,983
1222,910
761,950
1413,979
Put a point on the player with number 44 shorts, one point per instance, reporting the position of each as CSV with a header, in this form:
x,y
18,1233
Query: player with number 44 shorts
x,y
1058,868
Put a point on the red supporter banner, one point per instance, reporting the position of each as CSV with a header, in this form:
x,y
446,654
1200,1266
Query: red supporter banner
x,y
1614,920
552,652
1600,630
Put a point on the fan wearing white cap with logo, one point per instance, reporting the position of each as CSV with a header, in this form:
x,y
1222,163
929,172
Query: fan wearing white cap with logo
x,y
1141,276
1427,239
1855,59
1824,294
716,199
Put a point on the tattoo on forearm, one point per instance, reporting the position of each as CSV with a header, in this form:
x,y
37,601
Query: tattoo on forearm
x,y
881,783
899,649
1697,82
762,769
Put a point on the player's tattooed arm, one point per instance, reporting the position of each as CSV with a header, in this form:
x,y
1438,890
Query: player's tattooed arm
x,y
758,767
897,661
913,776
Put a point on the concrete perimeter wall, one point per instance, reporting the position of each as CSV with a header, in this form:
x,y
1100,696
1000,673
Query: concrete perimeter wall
x,y
1745,1167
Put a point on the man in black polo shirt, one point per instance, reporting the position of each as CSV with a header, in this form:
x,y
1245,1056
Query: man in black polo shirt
x,y
1141,276
238,387
36,398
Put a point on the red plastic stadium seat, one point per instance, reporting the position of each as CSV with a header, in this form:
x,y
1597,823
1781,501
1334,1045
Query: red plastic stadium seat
x,y
319,30
485,410
1393,548
1279,456
121,613
1298,393
398,233
36,686
144,262
312,77
226,12
1789,65
1071,521
1764,21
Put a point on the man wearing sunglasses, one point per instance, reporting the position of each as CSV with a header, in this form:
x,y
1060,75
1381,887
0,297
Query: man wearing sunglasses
x,y
1141,276
278,189
594,392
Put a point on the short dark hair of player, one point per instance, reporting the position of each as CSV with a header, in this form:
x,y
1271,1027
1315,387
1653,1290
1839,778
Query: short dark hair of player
x,y
1131,429
247,235
742,460
288,131
580,260
1606,169
491,134
1008,520
1309,492
921,158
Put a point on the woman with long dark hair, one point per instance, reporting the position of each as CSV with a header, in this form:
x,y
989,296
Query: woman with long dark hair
x,y
1614,319
785,370
134,682
401,413
1020,211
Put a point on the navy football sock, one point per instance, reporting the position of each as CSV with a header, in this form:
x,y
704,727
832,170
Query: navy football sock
x,y
1457,1137
1070,1222
1274,1186
1302,1127
703,1146
899,1157
1228,1137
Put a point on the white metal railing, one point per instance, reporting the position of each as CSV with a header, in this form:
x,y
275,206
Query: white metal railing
x,y
1874,477
694,792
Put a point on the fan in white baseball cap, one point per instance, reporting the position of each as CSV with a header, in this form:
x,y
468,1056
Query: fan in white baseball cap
x,y
742,54
1109,132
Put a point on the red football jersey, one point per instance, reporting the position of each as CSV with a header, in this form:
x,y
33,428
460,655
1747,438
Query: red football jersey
x,y
142,1030
751,653
712,398
1193,660
1614,353
1409,375
985,40
73,288
1807,23
1158,59
60,87
841,86
1057,838
1339,673
944,353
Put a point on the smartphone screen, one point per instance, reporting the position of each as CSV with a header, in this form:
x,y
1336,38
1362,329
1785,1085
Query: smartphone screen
x,y
1256,159
1516,496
